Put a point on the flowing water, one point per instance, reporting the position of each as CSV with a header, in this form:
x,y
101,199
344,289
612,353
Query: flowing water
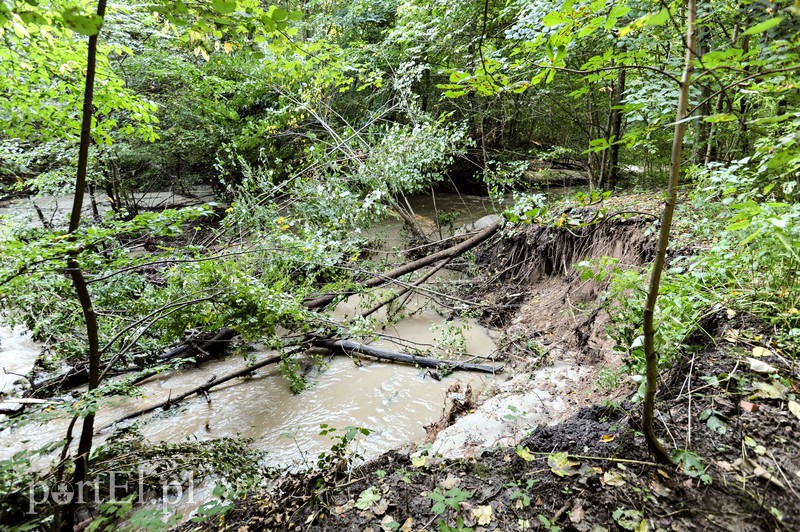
x,y
393,401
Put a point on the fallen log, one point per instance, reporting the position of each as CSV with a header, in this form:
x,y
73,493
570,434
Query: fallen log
x,y
214,346
78,375
195,391
405,290
348,346
410,267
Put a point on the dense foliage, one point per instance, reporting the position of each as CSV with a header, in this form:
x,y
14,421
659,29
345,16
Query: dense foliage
x,y
310,121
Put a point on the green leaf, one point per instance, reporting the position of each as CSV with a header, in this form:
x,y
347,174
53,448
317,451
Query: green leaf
x,y
692,463
367,498
82,23
719,57
224,6
525,453
591,27
764,26
277,14
719,117
657,19
554,18
741,224
597,5
32,17
788,245
296,15
561,465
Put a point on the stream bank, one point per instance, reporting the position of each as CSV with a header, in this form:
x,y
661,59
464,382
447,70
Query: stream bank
x,y
727,409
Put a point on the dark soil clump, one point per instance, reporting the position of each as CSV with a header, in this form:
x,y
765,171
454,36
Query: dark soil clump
x,y
592,472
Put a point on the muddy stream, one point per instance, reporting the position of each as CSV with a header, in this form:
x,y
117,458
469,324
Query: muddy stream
x,y
393,401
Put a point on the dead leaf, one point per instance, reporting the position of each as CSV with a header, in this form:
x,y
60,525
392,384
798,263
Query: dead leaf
x,y
759,351
766,475
612,478
774,390
561,465
387,521
759,366
724,466
794,408
660,489
407,524
483,514
576,515
380,507
662,473
450,482
724,402
731,313
731,335
608,438
747,406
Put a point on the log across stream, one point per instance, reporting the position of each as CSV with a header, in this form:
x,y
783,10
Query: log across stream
x,y
394,401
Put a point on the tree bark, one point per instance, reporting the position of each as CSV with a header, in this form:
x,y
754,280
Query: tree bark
x,y
616,132
200,389
348,346
410,267
66,517
651,357
80,374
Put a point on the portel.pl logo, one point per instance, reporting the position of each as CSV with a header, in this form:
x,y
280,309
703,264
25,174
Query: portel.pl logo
x,y
111,486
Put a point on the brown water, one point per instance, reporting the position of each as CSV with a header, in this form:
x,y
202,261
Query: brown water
x,y
393,401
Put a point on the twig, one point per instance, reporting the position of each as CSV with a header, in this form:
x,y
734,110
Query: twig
x,y
603,458
780,470
689,408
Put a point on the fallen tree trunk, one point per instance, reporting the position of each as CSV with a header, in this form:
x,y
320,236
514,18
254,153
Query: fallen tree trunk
x,y
195,391
413,266
216,345
405,290
348,346
78,375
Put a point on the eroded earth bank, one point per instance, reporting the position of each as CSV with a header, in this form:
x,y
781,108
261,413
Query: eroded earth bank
x,y
554,443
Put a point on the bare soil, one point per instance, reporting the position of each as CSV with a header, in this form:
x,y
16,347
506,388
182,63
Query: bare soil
x,y
733,423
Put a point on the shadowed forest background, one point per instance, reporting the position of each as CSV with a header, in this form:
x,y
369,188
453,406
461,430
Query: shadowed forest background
x,y
609,188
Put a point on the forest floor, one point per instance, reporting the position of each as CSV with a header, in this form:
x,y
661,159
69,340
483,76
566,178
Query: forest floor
x,y
726,408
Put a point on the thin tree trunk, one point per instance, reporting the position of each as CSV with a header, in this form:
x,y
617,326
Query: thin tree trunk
x,y
616,131
593,175
348,346
410,267
651,356
65,519
200,389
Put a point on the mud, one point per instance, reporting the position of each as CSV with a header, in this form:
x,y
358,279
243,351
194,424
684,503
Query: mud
x,y
582,464
605,480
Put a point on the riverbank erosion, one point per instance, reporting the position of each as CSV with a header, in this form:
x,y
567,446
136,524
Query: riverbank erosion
x,y
557,443
517,404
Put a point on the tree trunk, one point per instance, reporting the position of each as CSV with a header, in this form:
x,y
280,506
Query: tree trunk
x,y
410,267
651,356
65,519
616,131
425,362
